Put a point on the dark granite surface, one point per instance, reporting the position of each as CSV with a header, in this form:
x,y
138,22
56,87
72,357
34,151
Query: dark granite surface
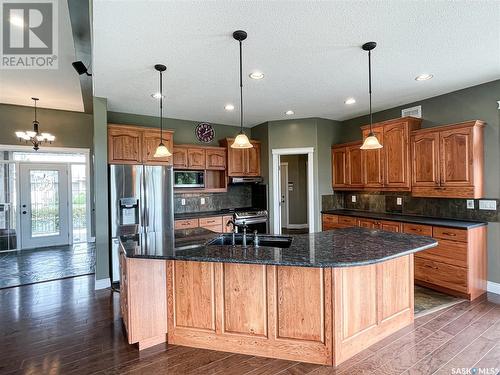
x,y
336,248
449,223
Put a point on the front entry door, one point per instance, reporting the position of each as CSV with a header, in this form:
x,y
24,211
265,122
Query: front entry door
x,y
44,205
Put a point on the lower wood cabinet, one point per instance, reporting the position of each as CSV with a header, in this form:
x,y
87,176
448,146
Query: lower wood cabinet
x,y
216,224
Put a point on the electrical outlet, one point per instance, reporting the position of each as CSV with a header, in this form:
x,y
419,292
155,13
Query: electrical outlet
x,y
399,201
183,202
488,205
470,204
202,200
353,199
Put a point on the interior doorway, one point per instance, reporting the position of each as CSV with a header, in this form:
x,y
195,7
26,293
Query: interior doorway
x,y
293,176
281,188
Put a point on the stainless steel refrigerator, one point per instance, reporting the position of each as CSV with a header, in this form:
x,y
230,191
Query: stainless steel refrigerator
x,y
141,200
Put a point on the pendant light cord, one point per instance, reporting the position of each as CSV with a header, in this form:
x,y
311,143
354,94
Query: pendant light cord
x,y
370,87
241,89
161,108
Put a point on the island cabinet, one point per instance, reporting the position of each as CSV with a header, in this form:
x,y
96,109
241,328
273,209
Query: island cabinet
x,y
389,168
458,265
347,166
448,161
242,162
136,145
316,315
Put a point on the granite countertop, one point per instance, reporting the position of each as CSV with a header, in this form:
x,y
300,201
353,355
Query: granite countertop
x,y
449,223
336,248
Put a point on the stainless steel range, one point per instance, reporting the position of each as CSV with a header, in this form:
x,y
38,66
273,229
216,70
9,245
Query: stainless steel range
x,y
254,219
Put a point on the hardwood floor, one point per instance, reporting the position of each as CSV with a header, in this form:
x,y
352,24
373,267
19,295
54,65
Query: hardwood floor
x,y
65,327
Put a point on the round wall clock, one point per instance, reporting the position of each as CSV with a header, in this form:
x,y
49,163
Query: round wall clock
x,y
205,132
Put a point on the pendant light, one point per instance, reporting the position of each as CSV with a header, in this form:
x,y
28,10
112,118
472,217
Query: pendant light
x,y
34,136
241,140
371,142
162,150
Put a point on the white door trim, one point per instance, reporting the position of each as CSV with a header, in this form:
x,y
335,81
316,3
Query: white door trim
x,y
287,196
309,151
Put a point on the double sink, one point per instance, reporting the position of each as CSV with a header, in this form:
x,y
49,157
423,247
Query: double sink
x,y
263,240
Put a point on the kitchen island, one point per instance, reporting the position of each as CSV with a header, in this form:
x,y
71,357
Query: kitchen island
x,y
319,298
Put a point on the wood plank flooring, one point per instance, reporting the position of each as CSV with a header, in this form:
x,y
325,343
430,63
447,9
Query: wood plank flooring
x,y
65,327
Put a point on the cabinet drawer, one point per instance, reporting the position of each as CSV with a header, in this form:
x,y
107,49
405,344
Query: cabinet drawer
x,y
450,252
442,274
450,234
330,219
217,228
347,221
423,230
205,221
186,224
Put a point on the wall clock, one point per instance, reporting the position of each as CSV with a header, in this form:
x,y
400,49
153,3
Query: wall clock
x,y
205,132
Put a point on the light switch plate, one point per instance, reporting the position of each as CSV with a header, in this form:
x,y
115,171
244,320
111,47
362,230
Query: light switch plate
x,y
202,200
183,202
399,201
487,205
470,204
353,199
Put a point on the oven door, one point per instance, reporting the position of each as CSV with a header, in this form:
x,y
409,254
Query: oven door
x,y
189,179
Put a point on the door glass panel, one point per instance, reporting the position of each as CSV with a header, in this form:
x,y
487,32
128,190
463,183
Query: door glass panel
x,y
44,189
79,202
8,207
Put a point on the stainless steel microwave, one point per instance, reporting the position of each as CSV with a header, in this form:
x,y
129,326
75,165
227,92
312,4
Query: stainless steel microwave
x,y
189,179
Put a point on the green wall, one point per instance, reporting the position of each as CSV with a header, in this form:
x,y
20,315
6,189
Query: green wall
x,y
477,102
184,130
72,129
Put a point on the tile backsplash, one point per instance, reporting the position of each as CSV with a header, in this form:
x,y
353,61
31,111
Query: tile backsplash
x,y
386,202
235,197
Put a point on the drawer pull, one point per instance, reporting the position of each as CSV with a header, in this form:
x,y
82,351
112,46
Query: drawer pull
x,y
449,234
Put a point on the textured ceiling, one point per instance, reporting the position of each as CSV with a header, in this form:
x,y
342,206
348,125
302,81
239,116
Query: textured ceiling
x,y
309,52
58,88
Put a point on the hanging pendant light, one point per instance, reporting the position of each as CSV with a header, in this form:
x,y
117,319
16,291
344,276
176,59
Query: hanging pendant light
x,y
161,151
241,140
34,136
371,142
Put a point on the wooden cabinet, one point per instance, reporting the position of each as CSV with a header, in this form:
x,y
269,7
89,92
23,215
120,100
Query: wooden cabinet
x,y
242,162
214,223
187,224
337,221
196,158
367,223
389,226
215,158
448,161
136,145
180,157
185,157
389,168
347,166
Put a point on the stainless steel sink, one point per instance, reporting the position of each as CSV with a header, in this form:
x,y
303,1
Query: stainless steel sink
x,y
264,240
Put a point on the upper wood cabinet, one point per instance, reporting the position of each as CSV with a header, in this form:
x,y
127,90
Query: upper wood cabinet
x,y
448,161
215,158
136,145
196,158
389,168
242,162
199,157
347,164
180,157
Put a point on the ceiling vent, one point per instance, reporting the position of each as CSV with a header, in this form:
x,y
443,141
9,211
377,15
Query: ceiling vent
x,y
413,111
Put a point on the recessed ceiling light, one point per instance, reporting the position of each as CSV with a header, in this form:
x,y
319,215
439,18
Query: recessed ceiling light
x,y
157,95
350,101
423,77
289,112
256,75
229,107
17,21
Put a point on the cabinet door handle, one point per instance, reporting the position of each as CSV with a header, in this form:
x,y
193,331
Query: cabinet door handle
x,y
449,234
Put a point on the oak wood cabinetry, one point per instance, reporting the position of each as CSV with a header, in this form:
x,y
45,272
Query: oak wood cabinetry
x,y
458,265
317,315
389,168
216,224
136,145
448,161
242,162
347,167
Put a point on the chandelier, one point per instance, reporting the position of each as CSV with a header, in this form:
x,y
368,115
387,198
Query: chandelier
x,y
34,136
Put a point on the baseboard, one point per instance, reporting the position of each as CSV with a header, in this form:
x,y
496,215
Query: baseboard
x,y
102,284
493,287
297,226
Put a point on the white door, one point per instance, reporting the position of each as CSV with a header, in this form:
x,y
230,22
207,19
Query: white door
x,y
43,205
284,194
